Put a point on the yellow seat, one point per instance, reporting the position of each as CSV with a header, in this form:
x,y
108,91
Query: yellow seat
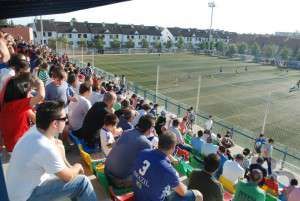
x,y
86,157
227,184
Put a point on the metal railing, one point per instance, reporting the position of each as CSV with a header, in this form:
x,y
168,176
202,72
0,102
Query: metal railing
x,y
286,157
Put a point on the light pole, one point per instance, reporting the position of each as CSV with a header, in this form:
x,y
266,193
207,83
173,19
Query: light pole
x,y
211,5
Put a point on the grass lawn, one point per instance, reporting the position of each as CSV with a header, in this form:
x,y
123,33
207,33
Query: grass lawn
x,y
235,96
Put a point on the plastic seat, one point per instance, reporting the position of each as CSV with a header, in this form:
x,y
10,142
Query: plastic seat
x,y
227,196
116,194
271,198
188,138
184,168
124,197
182,154
227,184
88,159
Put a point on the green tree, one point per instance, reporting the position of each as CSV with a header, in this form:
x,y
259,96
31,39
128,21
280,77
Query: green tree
x,y
129,44
270,51
242,48
52,43
232,49
90,44
298,55
145,43
99,43
285,53
3,22
180,43
82,42
158,45
115,43
220,46
203,45
63,41
169,44
255,49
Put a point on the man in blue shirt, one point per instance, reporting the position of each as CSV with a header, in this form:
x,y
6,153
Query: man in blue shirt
x,y
154,178
120,160
126,119
197,142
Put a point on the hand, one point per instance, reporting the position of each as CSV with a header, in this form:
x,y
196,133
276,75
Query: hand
x,y
79,166
73,99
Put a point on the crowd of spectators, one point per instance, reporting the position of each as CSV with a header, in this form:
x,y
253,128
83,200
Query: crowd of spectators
x,y
44,97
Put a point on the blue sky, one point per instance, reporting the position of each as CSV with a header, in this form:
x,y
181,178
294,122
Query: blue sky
x,y
243,16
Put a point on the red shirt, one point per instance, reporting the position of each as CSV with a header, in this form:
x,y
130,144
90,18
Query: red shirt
x,y
14,121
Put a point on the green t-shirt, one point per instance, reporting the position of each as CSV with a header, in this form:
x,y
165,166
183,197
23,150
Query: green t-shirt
x,y
117,106
247,191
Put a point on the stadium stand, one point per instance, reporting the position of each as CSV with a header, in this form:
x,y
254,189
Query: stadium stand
x,y
42,123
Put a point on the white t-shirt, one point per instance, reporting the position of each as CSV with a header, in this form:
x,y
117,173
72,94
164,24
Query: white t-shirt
x,y
208,124
33,159
107,139
209,148
78,112
137,118
178,134
96,97
233,171
5,74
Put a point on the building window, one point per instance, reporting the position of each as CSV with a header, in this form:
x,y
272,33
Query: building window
x,y
49,34
128,36
132,37
44,34
71,43
110,36
63,35
79,35
45,42
140,36
70,35
154,38
140,43
84,35
158,37
117,35
34,34
176,38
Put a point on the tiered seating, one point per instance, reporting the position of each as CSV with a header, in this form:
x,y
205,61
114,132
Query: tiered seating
x,y
227,184
97,168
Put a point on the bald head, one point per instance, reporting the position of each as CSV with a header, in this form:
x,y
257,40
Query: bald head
x,y
109,99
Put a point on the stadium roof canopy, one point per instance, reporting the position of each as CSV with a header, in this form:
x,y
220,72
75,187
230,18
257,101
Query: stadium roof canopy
x,y
25,8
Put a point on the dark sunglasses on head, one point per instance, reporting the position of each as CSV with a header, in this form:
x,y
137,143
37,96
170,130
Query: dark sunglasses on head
x,y
62,119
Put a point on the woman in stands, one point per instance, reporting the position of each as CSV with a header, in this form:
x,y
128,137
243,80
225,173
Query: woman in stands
x,y
17,108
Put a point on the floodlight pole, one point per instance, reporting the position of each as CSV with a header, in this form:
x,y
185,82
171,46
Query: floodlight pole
x,y
82,54
42,30
266,113
211,5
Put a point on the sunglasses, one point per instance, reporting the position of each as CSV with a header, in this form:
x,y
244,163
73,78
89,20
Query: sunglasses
x,y
62,119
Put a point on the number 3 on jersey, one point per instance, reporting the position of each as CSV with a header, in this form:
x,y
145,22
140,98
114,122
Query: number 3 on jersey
x,y
143,170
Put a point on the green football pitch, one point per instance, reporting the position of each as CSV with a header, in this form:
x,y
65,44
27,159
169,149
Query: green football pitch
x,y
237,96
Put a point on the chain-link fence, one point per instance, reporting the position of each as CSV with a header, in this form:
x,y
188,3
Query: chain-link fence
x,y
286,157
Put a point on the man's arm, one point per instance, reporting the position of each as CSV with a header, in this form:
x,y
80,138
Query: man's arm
x,y
68,174
40,92
180,189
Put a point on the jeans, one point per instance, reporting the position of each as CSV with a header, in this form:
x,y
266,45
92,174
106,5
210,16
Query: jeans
x,y
78,189
189,196
269,159
117,182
